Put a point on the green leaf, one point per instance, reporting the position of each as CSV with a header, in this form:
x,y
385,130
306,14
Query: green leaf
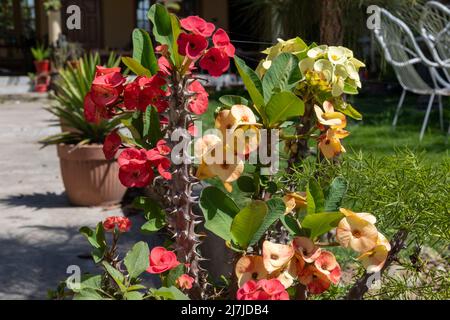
x,y
116,275
152,126
231,100
276,209
315,199
252,83
143,50
291,224
349,110
173,275
93,282
284,106
97,240
153,212
321,223
88,294
336,194
162,20
247,222
171,293
246,184
349,89
136,67
133,295
136,259
219,210
283,75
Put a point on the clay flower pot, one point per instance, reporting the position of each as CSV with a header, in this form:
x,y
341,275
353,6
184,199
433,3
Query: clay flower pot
x,y
42,66
88,178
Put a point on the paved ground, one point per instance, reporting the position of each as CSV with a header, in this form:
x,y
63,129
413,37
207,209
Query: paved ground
x,y
39,229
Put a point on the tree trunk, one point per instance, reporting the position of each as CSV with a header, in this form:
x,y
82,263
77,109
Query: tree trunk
x,y
331,23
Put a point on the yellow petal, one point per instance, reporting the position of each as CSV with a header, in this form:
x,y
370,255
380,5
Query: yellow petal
x,y
356,233
250,268
276,256
374,259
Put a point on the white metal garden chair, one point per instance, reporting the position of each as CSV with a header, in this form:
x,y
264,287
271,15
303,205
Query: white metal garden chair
x,y
404,54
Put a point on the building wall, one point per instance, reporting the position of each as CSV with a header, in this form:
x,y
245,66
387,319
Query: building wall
x,y
119,18
215,11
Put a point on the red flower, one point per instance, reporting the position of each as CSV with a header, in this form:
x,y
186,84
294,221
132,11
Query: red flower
x,y
132,155
123,224
215,61
271,289
191,45
158,159
164,66
92,113
199,103
134,175
107,88
111,145
222,41
198,26
185,282
144,92
101,71
162,260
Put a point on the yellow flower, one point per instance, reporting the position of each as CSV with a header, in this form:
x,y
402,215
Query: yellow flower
x,y
330,144
276,256
250,268
363,215
288,275
374,259
356,233
294,201
329,117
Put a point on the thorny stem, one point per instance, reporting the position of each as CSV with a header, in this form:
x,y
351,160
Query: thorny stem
x,y
360,287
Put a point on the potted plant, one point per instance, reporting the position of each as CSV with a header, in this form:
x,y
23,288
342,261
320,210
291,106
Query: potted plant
x,y
53,7
41,56
89,179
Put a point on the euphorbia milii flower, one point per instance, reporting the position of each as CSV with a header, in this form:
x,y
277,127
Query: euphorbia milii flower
x,y
250,268
363,215
101,71
134,175
315,281
132,155
191,45
222,41
374,259
276,256
274,288
185,282
263,290
122,224
294,201
227,172
198,26
92,112
327,264
215,61
251,291
199,103
143,92
162,260
334,120
158,159
111,145
164,66
105,89
224,122
330,145
305,249
356,233
288,275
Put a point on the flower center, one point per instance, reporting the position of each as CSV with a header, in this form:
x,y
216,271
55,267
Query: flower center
x,y
274,257
357,234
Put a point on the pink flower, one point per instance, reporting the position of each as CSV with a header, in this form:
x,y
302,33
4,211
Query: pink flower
x,y
264,289
222,41
198,26
111,145
162,260
158,159
164,66
123,224
199,103
144,92
326,263
215,61
191,45
185,282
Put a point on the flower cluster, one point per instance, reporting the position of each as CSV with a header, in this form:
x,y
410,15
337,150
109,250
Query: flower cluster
x,y
336,65
162,261
333,124
358,232
122,224
262,290
301,261
136,165
193,45
222,154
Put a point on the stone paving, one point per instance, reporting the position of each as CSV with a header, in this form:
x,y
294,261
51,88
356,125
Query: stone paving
x,y
39,235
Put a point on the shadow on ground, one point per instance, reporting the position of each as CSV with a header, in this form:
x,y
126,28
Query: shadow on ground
x,y
37,201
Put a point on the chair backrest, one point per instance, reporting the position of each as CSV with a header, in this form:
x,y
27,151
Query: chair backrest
x,y
435,28
402,52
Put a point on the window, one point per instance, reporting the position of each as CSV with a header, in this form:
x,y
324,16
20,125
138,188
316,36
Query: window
x,y
141,14
28,15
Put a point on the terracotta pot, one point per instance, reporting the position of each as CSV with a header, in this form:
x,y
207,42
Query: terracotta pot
x,y
42,66
88,178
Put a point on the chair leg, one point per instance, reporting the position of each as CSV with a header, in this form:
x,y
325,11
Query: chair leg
x,y
427,116
399,107
441,113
